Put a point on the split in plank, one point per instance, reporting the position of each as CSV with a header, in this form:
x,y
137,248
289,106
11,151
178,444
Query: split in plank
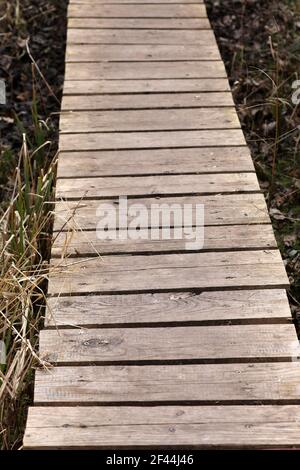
x,y
155,162
146,70
146,345
238,269
100,87
147,101
217,238
157,139
118,52
222,209
75,385
148,120
138,23
138,11
170,307
135,36
200,427
117,186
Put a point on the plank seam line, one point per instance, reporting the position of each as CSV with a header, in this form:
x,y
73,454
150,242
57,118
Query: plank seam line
x,y
67,177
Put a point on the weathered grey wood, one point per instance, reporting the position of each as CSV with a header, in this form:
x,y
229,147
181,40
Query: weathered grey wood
x,y
168,383
122,345
140,23
163,427
146,70
168,272
163,308
79,243
158,100
120,52
115,186
136,36
135,140
219,210
92,87
138,11
108,2
154,162
148,120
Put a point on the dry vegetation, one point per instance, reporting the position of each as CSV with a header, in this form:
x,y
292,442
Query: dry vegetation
x,y
30,42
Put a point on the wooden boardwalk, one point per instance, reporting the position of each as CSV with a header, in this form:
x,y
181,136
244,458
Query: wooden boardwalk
x,y
154,345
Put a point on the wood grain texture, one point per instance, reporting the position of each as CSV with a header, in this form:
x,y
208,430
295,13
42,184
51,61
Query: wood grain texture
x,y
164,308
97,187
199,427
168,272
136,36
157,139
146,101
168,383
236,237
146,70
154,162
125,345
138,11
222,209
139,23
99,87
136,52
148,120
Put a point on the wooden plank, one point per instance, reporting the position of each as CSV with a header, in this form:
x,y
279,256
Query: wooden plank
x,y
79,243
136,36
98,87
136,140
198,427
115,186
110,2
139,23
138,11
146,70
199,343
144,101
168,383
148,120
136,52
168,308
154,162
236,209
235,269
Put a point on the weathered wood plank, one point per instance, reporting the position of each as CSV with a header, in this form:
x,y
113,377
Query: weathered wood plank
x,y
146,70
154,162
136,36
139,23
79,243
157,139
108,2
138,11
199,343
115,186
157,100
148,120
173,308
163,427
222,209
167,272
92,87
168,383
121,52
